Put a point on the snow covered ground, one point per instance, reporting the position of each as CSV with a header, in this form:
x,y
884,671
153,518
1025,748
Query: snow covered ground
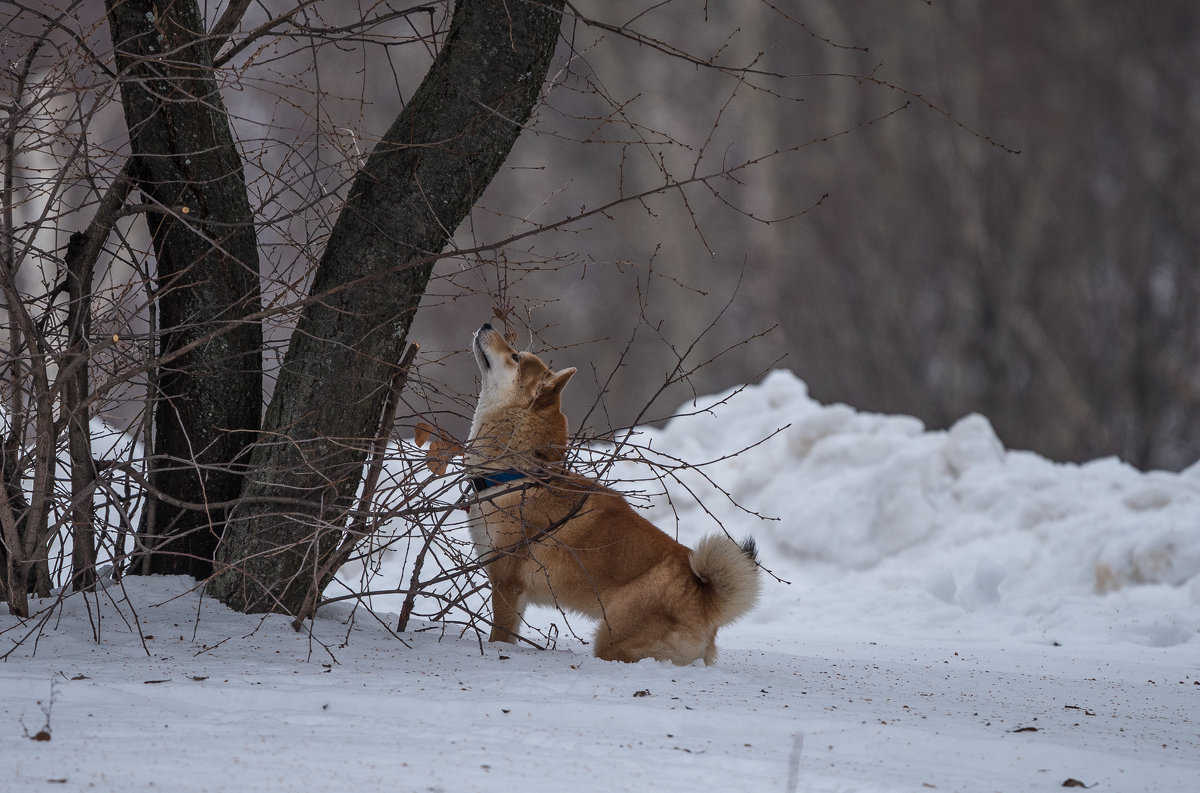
x,y
956,617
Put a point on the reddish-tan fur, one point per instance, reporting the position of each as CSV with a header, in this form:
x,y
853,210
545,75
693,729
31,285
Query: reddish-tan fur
x,y
560,539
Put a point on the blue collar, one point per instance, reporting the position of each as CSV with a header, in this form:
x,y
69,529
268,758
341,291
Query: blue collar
x,y
481,483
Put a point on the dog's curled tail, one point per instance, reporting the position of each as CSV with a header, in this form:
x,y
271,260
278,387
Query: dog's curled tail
x,y
731,573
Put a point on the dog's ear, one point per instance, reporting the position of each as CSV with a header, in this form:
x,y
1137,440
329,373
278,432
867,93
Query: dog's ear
x,y
552,386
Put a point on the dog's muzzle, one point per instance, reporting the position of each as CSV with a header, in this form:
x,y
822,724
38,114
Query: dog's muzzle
x,y
477,346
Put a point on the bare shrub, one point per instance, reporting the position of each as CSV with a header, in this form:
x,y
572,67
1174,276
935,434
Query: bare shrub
x,y
204,217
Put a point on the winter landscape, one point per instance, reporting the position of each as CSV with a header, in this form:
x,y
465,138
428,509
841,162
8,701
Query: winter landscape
x,y
942,614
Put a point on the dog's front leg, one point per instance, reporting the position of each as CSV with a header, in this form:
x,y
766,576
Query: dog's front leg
x,y
508,605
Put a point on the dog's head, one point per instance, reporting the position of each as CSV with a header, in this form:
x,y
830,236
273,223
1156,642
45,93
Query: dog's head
x,y
520,402
513,379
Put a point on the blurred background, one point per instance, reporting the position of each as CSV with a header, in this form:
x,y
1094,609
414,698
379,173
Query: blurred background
x,y
929,208
933,271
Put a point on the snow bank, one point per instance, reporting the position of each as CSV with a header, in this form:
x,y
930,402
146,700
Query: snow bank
x,y
932,576
878,521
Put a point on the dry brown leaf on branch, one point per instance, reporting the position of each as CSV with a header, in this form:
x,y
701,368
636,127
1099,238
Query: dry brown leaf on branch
x,y
442,448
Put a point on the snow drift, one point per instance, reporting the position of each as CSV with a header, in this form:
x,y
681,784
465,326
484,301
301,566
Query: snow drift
x,y
957,616
904,527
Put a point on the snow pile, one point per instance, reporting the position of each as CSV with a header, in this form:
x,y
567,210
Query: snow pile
x,y
882,521
960,617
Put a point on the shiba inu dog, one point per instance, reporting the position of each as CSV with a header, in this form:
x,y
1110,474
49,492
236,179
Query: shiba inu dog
x,y
552,537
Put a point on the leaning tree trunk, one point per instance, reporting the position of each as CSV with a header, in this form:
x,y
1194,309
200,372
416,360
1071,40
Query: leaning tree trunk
x,y
419,183
208,401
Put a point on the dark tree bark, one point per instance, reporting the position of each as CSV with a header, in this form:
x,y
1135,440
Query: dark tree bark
x,y
209,401
14,584
417,186
77,413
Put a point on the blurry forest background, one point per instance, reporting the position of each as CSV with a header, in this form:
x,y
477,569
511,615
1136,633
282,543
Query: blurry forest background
x,y
1055,290
902,254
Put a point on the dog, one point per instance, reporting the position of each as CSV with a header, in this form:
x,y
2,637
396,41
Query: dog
x,y
552,537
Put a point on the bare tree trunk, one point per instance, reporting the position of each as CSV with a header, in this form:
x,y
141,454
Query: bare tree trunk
x,y
16,577
185,163
77,414
417,186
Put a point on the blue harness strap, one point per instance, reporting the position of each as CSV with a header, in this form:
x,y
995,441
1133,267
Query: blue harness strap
x,y
481,483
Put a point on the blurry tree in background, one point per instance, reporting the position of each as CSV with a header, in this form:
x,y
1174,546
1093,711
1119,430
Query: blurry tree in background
x,y
281,177
1054,291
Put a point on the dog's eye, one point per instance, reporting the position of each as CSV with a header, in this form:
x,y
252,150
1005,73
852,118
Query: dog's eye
x,y
516,357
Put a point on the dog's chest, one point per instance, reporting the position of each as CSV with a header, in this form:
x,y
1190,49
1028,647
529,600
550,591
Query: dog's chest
x,y
477,523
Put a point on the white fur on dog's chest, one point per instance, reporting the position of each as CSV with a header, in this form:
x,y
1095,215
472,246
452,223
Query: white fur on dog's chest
x,y
478,527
